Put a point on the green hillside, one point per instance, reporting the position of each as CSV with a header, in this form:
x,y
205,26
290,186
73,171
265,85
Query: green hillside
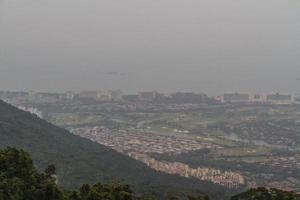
x,y
20,180
80,161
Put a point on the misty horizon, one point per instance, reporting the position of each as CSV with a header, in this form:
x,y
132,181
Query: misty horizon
x,y
199,46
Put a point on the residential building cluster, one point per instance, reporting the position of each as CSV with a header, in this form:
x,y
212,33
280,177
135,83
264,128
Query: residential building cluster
x,y
101,95
274,98
141,146
227,179
126,141
149,95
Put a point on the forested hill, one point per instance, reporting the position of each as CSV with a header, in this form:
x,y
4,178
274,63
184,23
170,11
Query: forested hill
x,y
81,161
20,180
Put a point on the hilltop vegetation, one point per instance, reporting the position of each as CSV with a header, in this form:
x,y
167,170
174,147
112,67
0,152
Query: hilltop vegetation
x,y
20,180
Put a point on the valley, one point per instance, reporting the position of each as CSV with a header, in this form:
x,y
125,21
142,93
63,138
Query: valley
x,y
235,146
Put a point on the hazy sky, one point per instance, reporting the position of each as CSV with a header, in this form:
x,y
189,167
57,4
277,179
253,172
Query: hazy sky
x,y
211,46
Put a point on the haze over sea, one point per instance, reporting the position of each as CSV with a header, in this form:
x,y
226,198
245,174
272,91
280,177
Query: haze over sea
x,y
211,46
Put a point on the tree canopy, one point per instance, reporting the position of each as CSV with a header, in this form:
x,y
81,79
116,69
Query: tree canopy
x,y
20,180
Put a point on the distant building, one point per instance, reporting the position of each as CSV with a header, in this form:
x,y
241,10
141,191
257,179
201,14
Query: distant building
x,y
109,95
236,98
130,97
88,95
69,95
148,96
116,95
279,98
189,97
105,95
257,98
297,97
